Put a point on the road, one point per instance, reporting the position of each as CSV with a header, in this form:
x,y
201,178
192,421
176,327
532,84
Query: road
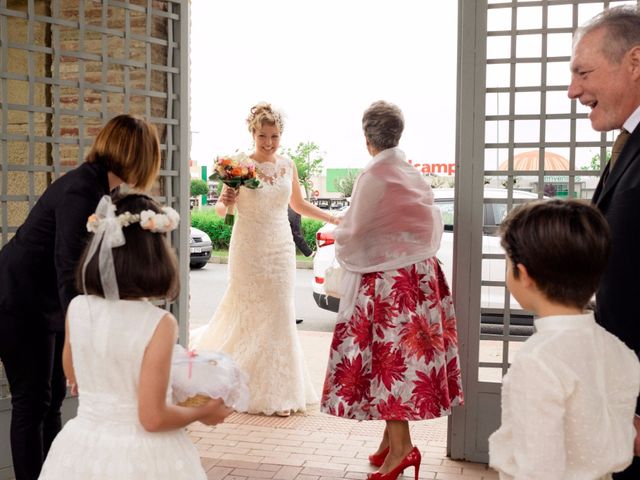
x,y
208,285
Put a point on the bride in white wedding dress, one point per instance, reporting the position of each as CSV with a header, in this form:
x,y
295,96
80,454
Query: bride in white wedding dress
x,y
255,321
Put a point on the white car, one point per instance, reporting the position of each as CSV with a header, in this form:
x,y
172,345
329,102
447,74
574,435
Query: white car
x,y
199,248
492,297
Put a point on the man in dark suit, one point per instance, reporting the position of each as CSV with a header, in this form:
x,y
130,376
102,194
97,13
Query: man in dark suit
x,y
295,222
605,69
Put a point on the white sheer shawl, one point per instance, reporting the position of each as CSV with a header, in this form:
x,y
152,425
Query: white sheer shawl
x,y
392,223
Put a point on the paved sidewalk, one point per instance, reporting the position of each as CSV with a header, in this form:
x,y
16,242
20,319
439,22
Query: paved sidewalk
x,y
317,446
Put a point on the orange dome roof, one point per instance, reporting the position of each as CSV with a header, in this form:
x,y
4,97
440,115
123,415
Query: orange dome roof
x,y
530,161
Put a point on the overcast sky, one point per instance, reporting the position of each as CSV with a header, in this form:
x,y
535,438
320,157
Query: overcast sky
x,y
322,64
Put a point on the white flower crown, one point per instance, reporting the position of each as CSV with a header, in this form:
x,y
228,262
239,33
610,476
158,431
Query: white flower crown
x,y
108,234
149,220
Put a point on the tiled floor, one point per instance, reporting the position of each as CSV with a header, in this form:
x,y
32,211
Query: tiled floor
x,y
317,446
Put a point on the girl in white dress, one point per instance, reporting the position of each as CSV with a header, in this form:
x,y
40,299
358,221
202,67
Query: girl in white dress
x,y
255,321
117,354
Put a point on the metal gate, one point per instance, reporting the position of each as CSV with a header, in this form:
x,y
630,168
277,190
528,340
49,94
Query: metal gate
x,y
517,132
66,67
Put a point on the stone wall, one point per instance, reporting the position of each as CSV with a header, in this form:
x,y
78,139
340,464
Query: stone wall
x,y
123,65
18,92
116,75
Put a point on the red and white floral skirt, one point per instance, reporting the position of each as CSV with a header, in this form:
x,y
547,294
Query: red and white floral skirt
x,y
396,357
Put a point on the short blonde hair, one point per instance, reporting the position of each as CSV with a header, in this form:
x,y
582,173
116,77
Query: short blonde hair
x,y
129,147
261,114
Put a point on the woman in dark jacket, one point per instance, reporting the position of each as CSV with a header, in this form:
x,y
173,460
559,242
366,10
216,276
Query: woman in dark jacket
x,y
37,269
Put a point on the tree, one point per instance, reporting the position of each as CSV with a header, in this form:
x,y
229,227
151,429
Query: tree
x,y
308,162
345,184
199,187
514,182
595,162
441,182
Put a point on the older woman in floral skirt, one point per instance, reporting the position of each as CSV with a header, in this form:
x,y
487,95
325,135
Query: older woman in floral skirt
x,y
394,354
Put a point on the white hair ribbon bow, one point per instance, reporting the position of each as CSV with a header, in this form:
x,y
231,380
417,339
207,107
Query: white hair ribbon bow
x,y
108,231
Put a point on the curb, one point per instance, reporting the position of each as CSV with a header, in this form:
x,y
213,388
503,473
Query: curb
x,y
215,259
304,264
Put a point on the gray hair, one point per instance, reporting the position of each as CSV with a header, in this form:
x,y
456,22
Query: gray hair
x,y
622,31
382,124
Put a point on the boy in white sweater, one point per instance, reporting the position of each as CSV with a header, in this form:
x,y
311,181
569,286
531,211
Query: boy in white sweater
x,y
569,397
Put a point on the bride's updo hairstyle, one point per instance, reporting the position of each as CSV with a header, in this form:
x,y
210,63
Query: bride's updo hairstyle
x,y
263,114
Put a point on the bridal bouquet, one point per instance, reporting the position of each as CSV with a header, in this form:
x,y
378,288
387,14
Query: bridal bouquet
x,y
235,171
197,377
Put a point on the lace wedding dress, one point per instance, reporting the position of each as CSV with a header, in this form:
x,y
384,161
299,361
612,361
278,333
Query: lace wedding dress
x,y
106,441
255,321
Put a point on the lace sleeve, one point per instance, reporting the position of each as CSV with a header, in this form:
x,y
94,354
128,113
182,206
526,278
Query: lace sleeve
x,y
289,165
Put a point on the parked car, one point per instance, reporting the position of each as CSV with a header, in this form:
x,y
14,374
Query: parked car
x,y
492,297
330,203
199,248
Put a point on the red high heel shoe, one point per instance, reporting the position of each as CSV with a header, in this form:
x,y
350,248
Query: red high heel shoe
x,y
378,459
411,460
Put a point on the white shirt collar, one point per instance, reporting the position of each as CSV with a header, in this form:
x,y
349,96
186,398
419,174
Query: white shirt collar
x,y
565,322
633,121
